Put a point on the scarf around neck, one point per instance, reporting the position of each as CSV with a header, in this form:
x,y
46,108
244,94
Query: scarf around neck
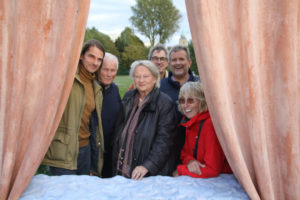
x,y
127,137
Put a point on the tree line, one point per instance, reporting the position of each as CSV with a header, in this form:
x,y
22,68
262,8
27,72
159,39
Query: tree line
x,y
128,48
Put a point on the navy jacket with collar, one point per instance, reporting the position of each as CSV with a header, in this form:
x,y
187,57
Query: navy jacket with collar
x,y
110,108
171,88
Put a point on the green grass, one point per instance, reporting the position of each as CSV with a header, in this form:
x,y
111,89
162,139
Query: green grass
x,y
43,169
123,82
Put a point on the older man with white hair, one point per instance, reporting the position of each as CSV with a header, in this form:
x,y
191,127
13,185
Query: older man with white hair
x,y
110,105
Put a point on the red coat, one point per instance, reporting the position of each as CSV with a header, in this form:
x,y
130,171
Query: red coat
x,y
209,150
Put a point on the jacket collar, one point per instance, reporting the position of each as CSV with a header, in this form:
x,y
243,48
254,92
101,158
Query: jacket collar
x,y
96,86
105,90
176,83
196,119
130,95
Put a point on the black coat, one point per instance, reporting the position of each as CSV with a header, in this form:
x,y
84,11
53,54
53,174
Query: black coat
x,y
155,134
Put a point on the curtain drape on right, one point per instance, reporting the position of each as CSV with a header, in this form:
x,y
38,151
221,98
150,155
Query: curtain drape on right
x,y
248,59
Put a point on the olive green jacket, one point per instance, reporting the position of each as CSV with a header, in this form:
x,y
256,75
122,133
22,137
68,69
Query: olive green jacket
x,y
64,148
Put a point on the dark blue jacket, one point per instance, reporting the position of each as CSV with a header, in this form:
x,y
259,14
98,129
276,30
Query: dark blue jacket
x,y
171,88
110,108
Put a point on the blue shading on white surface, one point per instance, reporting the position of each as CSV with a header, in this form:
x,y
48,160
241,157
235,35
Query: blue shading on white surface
x,y
156,187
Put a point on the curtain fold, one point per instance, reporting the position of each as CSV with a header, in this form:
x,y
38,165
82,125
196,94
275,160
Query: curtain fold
x,y
40,43
248,59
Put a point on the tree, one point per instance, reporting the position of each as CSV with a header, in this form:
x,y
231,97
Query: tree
x,y
105,40
155,19
126,38
131,54
131,48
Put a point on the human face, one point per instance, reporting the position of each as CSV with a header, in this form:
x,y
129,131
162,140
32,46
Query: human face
x,y
180,64
144,80
159,58
189,106
92,59
108,72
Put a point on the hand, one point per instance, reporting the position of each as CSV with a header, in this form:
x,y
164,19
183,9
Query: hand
x,y
138,173
194,166
93,173
175,173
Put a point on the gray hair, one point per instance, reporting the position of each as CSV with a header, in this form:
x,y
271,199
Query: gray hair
x,y
158,47
179,48
112,57
195,90
149,65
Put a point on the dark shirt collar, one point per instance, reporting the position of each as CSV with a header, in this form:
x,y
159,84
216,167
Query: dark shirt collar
x,y
105,87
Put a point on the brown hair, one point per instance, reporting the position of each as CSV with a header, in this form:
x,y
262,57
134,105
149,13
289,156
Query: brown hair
x,y
86,46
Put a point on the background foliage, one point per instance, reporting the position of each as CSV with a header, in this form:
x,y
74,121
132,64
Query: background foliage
x,y
128,48
158,20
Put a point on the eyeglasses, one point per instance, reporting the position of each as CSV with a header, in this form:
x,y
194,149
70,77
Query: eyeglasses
x,y
188,101
141,77
155,58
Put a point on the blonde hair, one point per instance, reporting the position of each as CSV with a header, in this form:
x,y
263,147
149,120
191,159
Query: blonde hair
x,y
195,90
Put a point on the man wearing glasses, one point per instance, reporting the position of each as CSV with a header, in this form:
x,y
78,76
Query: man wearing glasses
x,y
158,55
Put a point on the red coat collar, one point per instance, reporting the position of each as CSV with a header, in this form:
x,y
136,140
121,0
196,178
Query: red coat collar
x,y
196,119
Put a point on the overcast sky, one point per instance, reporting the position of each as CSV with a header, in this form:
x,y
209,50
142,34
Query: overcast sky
x,y
112,16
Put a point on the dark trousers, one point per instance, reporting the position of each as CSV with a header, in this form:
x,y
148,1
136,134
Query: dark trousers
x,y
83,164
107,165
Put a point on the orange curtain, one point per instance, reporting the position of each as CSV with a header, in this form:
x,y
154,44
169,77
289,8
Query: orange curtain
x,y
40,43
248,59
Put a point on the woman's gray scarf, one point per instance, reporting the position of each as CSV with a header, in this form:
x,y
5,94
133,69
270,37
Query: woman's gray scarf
x,y
127,137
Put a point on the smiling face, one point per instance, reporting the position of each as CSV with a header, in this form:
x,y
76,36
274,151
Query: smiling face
x,y
92,59
144,80
108,72
180,64
189,106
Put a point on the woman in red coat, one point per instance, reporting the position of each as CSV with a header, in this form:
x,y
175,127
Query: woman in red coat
x,y
202,155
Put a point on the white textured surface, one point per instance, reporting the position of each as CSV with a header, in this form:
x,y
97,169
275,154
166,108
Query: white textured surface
x,y
156,187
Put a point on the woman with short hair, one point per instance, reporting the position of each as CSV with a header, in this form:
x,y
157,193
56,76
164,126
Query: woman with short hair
x,y
145,130
202,155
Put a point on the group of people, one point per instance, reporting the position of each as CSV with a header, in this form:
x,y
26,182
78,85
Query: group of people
x,y
161,126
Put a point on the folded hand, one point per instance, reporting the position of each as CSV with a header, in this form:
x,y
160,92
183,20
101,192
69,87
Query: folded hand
x,y
138,173
194,166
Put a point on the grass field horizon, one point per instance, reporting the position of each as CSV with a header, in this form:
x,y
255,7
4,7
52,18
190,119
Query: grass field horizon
x,y
123,82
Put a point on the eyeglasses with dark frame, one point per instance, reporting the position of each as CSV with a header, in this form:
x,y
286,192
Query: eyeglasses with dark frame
x,y
188,100
155,58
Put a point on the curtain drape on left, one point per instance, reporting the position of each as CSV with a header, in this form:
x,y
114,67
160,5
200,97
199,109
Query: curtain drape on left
x,y
40,43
